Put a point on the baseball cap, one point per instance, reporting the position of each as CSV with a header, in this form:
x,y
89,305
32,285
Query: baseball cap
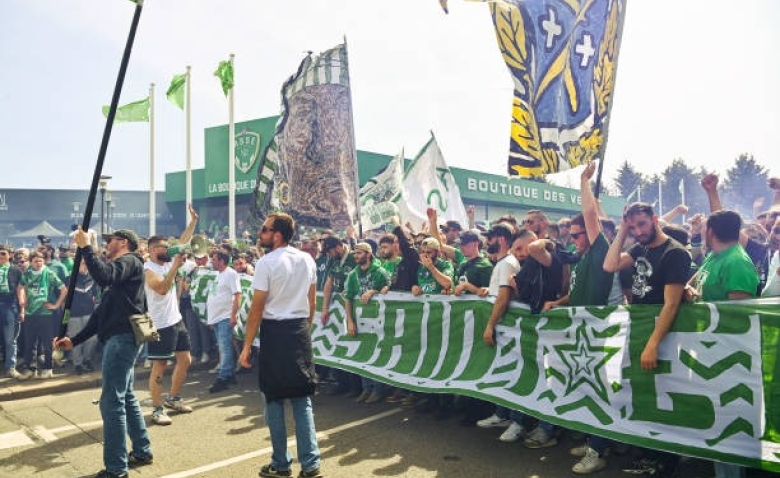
x,y
364,246
500,230
431,243
127,234
330,242
451,225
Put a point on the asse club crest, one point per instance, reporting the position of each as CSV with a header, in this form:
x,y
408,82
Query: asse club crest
x,y
247,150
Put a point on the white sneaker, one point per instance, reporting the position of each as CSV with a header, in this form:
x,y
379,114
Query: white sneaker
x,y
512,434
590,463
13,373
204,358
579,451
160,417
215,369
538,438
46,373
494,421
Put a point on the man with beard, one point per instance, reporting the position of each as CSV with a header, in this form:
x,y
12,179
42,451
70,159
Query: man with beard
x,y
160,273
365,280
660,269
390,256
536,221
434,275
222,306
283,305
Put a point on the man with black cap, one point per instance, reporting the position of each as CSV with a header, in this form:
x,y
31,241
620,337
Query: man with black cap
x,y
473,275
122,276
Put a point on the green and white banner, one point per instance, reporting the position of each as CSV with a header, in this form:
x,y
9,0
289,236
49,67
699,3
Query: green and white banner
x,y
713,394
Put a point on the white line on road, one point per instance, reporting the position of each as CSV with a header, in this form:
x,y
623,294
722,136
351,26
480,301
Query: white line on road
x,y
15,439
290,443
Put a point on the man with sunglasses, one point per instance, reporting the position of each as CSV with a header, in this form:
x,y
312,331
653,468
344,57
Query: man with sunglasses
x,y
10,278
122,276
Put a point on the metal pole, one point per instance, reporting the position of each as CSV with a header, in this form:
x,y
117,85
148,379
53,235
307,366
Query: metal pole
x,y
231,161
152,193
101,159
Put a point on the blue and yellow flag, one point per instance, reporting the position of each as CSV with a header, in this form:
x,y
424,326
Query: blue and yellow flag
x,y
562,55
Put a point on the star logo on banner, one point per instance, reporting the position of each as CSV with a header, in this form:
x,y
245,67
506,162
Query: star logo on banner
x,y
584,362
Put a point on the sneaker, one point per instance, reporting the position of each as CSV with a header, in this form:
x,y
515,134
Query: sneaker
x,y
147,363
397,396
494,421
215,369
46,373
363,396
590,463
159,417
315,473
27,373
177,404
204,358
220,385
13,373
134,461
538,438
111,474
579,451
512,434
409,402
373,398
268,471
643,466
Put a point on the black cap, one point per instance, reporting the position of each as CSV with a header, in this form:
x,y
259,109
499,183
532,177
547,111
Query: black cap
x,y
452,225
330,242
127,234
501,230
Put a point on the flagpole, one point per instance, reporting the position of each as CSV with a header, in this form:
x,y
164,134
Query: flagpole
x,y
660,199
152,197
100,160
354,146
682,194
231,160
187,148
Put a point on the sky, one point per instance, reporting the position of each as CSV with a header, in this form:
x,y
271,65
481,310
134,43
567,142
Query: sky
x,y
696,79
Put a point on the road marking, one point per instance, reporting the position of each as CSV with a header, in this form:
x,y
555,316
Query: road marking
x,y
269,450
15,440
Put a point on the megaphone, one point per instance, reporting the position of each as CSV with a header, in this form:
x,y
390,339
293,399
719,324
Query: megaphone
x,y
198,246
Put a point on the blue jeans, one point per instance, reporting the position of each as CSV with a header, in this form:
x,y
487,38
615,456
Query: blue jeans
x,y
119,406
9,321
727,470
506,413
305,434
227,356
372,386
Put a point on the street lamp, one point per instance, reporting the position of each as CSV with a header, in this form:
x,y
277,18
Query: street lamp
x,y
103,183
109,210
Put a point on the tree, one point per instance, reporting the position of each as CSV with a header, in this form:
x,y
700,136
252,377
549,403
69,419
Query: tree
x,y
745,184
627,182
679,178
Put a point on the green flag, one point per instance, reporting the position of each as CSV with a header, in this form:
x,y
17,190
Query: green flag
x,y
225,74
175,93
136,111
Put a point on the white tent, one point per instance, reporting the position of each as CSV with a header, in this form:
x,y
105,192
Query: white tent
x,y
42,229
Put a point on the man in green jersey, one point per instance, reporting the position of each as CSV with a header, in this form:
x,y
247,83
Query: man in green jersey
x,y
363,282
434,276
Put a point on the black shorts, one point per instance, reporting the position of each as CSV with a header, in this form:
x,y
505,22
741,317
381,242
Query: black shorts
x,y
172,339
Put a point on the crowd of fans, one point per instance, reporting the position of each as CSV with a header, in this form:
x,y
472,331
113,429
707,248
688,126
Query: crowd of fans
x,y
582,260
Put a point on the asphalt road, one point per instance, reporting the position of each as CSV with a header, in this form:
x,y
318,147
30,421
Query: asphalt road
x,y
60,436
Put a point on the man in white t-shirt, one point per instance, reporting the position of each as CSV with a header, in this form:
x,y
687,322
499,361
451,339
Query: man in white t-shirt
x,y
160,273
222,312
283,305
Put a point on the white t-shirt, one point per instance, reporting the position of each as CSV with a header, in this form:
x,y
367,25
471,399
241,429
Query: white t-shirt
x,y
163,308
219,304
286,274
502,272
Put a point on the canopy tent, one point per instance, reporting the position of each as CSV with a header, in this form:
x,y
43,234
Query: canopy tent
x,y
42,229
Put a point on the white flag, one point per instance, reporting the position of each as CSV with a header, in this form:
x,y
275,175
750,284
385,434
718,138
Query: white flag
x,y
377,196
429,183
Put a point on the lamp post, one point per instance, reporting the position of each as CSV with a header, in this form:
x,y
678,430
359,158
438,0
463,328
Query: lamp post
x,y
109,210
103,183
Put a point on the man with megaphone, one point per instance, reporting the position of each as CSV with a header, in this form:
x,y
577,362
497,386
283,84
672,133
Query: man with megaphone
x,y
160,272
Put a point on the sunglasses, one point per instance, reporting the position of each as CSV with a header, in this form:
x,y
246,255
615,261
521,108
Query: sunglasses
x,y
576,235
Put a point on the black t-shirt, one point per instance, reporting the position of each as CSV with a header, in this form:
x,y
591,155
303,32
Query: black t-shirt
x,y
13,278
759,254
669,263
538,284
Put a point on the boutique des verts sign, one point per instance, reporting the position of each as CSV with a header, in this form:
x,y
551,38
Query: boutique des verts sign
x,y
250,139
